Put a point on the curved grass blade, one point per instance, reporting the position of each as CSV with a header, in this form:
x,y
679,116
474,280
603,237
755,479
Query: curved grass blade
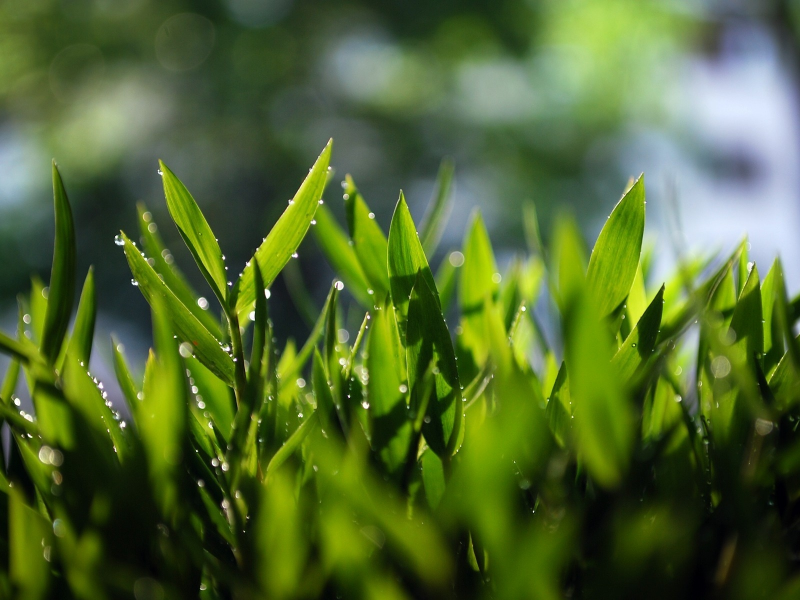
x,y
439,208
188,329
126,383
80,343
406,258
341,255
62,274
196,232
615,257
163,264
286,235
291,445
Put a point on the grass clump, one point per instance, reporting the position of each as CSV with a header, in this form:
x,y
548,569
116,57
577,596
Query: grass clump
x,y
613,457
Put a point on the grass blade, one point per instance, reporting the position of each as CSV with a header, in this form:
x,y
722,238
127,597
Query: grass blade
x,y
80,344
638,347
196,232
369,242
613,263
62,274
284,238
188,329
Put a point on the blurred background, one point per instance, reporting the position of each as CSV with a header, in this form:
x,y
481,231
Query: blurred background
x,y
557,101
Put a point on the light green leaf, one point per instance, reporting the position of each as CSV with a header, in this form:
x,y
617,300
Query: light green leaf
x,y
406,258
29,533
62,274
188,329
291,445
195,231
286,235
615,258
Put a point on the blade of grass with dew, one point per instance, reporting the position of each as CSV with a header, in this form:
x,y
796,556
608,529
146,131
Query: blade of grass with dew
x,y
369,241
439,207
164,264
62,274
337,249
615,257
284,238
188,329
196,233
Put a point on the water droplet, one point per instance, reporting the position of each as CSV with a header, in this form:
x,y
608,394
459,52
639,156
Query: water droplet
x,y
294,255
339,285
134,283
202,303
118,240
403,388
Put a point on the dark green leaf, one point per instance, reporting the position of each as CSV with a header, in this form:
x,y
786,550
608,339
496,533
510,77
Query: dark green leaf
x,y
62,274
638,347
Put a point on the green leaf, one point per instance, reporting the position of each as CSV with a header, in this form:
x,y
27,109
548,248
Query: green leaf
x,y
615,258
388,406
126,383
433,478
17,349
439,208
291,445
286,235
638,347
326,409
341,255
196,232
369,242
406,258
747,328
479,284
29,535
80,344
62,274
163,263
164,412
188,329
603,416
559,408
446,280
428,341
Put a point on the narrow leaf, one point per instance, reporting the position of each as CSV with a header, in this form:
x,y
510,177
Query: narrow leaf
x,y
439,208
80,344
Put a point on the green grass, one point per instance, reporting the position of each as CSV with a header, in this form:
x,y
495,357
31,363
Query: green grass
x,y
616,457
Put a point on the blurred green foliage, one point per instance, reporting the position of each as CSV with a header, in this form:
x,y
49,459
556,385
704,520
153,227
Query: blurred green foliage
x,y
647,447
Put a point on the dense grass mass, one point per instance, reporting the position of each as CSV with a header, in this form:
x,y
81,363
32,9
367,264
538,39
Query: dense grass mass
x,y
607,455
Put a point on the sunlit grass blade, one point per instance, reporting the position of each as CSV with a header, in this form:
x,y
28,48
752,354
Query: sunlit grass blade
x,y
326,409
479,285
291,445
369,241
164,264
195,231
615,257
337,249
284,238
406,258
427,339
62,274
126,382
186,326
80,343
439,208
29,532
